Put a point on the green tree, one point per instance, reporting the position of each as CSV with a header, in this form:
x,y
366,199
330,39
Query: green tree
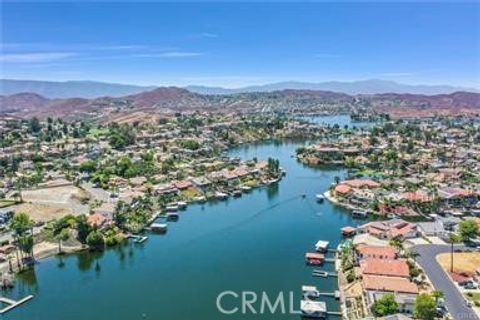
x,y
385,305
83,228
425,307
95,240
468,230
20,223
62,236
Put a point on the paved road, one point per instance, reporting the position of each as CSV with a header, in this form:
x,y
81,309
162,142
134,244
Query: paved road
x,y
455,301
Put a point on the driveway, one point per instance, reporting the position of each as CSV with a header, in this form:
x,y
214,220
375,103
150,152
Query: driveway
x,y
455,301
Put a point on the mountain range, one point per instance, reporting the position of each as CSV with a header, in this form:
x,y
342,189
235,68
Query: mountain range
x,y
173,100
93,89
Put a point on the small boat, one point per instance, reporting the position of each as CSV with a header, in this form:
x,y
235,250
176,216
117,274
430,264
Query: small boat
x,y
321,246
320,198
313,309
173,216
304,195
246,188
320,273
159,227
310,292
237,193
171,208
181,205
220,195
314,258
200,199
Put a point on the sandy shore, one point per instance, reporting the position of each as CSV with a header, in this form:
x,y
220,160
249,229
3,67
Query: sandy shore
x,y
41,251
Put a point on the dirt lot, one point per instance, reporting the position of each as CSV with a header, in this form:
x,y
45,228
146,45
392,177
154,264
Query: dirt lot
x,y
51,203
462,261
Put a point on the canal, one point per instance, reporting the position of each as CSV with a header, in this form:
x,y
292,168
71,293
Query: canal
x,y
254,243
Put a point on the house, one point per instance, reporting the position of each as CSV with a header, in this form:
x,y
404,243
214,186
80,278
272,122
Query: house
x,y
390,229
182,184
97,220
376,252
377,286
456,196
432,229
384,267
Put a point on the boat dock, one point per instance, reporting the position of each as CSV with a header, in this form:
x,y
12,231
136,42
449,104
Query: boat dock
x,y
12,304
322,273
137,238
335,294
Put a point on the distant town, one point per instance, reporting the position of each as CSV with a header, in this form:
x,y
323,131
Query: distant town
x,y
72,186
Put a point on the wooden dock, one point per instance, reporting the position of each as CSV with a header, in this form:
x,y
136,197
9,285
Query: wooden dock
x,y
12,304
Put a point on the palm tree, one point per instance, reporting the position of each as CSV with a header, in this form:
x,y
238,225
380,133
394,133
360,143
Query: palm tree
x,y
438,294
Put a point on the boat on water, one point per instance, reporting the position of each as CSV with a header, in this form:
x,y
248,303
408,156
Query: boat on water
x,y
237,193
321,246
320,198
159,227
313,309
220,195
172,208
181,205
310,292
314,258
173,216
320,273
246,188
200,199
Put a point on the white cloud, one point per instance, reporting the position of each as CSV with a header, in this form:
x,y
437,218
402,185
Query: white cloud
x,y
34,57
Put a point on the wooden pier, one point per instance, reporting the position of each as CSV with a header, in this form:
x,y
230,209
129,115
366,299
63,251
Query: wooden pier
x,y
12,304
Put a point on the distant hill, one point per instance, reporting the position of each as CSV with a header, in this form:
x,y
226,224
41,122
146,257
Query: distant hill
x,y
69,89
372,86
173,99
93,89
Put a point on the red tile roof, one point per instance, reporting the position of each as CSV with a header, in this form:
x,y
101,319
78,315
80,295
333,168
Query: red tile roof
x,y
381,267
385,252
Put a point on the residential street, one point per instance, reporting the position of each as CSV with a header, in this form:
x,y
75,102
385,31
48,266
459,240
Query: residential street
x,y
455,301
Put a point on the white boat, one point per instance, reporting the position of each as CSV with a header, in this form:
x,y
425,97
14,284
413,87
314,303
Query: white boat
x,y
321,246
221,195
313,309
181,204
172,215
200,199
246,188
320,197
159,227
310,292
171,208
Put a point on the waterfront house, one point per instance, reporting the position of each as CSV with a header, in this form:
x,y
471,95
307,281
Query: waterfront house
x,y
385,267
377,286
182,184
390,229
376,252
97,220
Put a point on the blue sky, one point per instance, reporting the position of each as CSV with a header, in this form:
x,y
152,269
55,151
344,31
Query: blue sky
x,y
236,44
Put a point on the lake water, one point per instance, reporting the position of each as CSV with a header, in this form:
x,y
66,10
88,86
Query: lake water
x,y
254,243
